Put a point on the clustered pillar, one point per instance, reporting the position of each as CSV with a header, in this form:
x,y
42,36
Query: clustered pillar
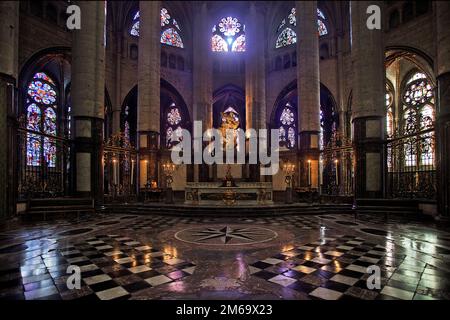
x,y
443,108
88,98
9,25
149,64
308,84
255,77
368,103
202,78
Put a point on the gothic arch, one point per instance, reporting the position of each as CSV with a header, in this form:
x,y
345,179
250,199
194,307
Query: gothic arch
x,y
328,107
227,96
169,95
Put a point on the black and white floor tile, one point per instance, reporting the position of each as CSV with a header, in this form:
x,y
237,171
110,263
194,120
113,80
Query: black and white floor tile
x,y
121,257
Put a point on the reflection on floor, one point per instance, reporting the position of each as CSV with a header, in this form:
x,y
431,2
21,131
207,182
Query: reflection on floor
x,y
288,257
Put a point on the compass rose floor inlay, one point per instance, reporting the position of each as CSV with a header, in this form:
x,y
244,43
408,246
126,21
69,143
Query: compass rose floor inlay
x,y
226,235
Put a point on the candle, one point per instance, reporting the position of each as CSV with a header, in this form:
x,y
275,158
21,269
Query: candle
x,y
309,172
115,172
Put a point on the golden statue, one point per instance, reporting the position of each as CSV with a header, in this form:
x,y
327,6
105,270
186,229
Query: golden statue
x,y
229,122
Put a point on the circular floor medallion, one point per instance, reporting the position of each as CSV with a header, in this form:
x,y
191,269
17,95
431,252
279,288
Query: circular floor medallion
x,y
226,235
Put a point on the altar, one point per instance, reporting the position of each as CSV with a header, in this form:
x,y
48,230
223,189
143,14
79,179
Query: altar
x,y
236,194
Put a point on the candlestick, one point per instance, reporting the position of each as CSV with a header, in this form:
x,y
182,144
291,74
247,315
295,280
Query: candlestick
x,y
116,171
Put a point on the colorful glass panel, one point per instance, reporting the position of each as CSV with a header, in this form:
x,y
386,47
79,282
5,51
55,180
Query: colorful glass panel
x,y
50,121
418,92
135,29
426,117
287,117
239,44
282,134
33,117
42,118
43,76
285,38
218,44
288,36
175,23
320,14
390,124
174,117
287,130
33,150
416,76
169,35
228,35
229,26
50,152
322,28
172,38
291,17
165,17
41,92
291,137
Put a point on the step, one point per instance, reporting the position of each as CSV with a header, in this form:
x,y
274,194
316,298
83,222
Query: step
x,y
61,208
59,202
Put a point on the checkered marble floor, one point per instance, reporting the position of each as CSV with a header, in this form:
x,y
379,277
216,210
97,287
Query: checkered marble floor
x,y
120,257
112,267
336,268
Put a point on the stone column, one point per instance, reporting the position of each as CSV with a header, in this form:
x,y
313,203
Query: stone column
x,y
88,98
149,64
117,107
308,84
368,111
255,76
202,77
9,26
443,108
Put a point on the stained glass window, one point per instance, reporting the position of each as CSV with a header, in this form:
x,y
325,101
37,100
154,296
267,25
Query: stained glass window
x,y
287,127
228,35
174,117
174,124
165,17
285,38
33,117
218,44
169,35
322,27
41,92
418,120
41,117
389,113
286,34
172,38
292,18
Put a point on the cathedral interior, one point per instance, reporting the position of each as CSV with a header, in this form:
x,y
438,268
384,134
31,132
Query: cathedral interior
x,y
345,105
